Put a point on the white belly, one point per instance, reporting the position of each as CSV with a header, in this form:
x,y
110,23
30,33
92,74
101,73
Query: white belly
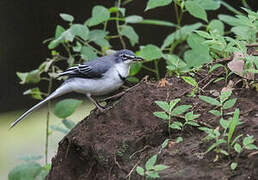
x,y
108,83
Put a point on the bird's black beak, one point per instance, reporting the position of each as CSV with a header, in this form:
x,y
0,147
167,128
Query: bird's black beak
x,y
138,59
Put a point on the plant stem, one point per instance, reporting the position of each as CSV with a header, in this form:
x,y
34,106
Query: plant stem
x,y
48,118
149,69
156,63
118,26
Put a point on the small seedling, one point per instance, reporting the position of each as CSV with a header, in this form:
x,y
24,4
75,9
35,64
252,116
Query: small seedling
x,y
192,82
170,110
223,103
151,168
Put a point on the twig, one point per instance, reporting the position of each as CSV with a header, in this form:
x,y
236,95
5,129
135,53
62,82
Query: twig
x,y
145,147
131,171
207,84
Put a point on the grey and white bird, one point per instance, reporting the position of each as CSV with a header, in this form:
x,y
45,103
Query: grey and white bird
x,y
97,77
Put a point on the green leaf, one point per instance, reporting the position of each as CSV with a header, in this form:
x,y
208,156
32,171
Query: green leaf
x,y
26,171
200,53
180,109
133,19
98,37
191,116
237,148
251,147
229,103
208,4
152,174
160,167
233,165
176,125
236,139
59,31
203,34
129,32
135,68
215,66
161,115
210,100
99,14
224,123
224,96
59,129
29,77
158,22
214,145
174,62
67,35
229,20
150,52
88,53
173,102
163,105
66,107
34,92
248,140
150,163
180,34
190,80
179,139
66,17
219,79
140,170
215,112
164,144
68,123
157,3
192,123
132,79
233,124
196,10
80,30
216,25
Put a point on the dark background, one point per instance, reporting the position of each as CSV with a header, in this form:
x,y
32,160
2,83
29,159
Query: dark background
x,y
26,24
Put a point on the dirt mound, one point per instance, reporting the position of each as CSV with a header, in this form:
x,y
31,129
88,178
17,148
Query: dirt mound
x,y
109,145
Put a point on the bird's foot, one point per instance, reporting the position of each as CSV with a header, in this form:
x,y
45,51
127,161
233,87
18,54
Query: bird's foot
x,y
103,109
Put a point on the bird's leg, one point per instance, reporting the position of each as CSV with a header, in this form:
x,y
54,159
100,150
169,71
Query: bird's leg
x,y
101,108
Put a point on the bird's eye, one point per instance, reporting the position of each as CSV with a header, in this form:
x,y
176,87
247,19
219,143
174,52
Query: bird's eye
x,y
124,56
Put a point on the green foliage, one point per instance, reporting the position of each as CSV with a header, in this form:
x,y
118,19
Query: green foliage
x,y
151,168
170,110
154,3
225,141
66,107
29,170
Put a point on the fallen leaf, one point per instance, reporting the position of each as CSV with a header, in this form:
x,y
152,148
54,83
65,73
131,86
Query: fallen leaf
x,y
229,87
237,66
163,82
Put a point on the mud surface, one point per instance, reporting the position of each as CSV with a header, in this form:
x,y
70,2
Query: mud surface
x,y
109,145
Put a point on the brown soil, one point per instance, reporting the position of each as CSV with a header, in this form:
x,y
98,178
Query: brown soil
x,y
109,145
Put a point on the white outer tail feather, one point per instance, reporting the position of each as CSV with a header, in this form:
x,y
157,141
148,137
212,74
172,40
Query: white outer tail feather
x,y
58,92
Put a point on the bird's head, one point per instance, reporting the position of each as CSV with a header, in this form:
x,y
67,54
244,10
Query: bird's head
x,y
127,56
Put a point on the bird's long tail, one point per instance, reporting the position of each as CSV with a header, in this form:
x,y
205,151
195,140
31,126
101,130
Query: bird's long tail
x,y
63,89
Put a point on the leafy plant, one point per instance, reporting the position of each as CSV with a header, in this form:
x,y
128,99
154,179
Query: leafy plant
x,y
62,110
172,111
223,103
29,170
151,168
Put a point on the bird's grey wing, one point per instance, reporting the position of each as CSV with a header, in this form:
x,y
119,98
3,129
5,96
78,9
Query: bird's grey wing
x,y
90,69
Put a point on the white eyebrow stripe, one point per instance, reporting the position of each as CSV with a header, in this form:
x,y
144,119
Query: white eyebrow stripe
x,y
129,56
